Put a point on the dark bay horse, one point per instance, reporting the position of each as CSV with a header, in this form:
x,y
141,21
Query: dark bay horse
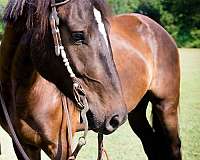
x,y
33,78
147,61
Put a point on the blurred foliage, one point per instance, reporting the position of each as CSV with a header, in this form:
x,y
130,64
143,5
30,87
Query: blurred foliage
x,y
123,6
181,18
185,26
1,17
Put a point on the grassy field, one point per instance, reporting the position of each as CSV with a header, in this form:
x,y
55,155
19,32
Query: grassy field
x,y
124,145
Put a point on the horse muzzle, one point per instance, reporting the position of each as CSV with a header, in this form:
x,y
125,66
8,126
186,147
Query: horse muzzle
x,y
108,125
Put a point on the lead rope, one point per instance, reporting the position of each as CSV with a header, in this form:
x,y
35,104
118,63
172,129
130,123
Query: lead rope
x,y
68,119
101,149
82,139
83,107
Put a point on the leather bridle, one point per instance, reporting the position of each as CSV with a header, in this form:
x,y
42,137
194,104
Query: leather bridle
x,y
78,91
54,4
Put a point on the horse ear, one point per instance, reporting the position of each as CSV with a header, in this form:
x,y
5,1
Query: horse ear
x,y
105,10
103,7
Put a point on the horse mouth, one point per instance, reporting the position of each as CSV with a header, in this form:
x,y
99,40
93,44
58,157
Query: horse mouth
x,y
93,123
98,126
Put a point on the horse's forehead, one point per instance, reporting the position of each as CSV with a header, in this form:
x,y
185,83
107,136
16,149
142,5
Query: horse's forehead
x,y
101,25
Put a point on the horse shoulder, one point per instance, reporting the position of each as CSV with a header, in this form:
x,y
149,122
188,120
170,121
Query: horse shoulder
x,y
131,41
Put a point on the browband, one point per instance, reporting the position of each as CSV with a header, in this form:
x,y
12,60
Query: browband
x,y
54,4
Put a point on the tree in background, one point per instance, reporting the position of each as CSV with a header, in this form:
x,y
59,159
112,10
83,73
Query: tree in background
x,y
181,18
1,20
123,6
186,16
150,9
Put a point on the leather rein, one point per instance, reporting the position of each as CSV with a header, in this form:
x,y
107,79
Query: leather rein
x,y
78,91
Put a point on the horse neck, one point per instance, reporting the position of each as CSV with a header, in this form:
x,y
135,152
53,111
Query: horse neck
x,y
7,51
15,62
23,71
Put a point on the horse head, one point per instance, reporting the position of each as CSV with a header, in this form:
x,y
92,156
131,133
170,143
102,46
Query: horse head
x,y
83,35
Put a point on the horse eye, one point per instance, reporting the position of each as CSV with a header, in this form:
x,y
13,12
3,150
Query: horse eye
x,y
78,37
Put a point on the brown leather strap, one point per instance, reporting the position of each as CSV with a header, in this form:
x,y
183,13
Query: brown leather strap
x,y
101,149
69,124
81,99
54,21
82,139
10,126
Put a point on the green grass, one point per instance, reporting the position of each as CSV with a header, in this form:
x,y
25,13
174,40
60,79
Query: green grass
x,y
190,104
124,144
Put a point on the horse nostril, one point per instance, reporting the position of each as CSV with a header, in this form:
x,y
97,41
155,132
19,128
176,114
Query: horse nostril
x,y
114,122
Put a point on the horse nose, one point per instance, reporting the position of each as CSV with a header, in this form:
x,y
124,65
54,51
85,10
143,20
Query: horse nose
x,y
114,122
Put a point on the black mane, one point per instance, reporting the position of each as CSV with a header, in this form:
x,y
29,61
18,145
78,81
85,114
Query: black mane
x,y
39,10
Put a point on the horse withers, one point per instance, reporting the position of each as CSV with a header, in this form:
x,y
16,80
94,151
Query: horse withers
x,y
33,76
